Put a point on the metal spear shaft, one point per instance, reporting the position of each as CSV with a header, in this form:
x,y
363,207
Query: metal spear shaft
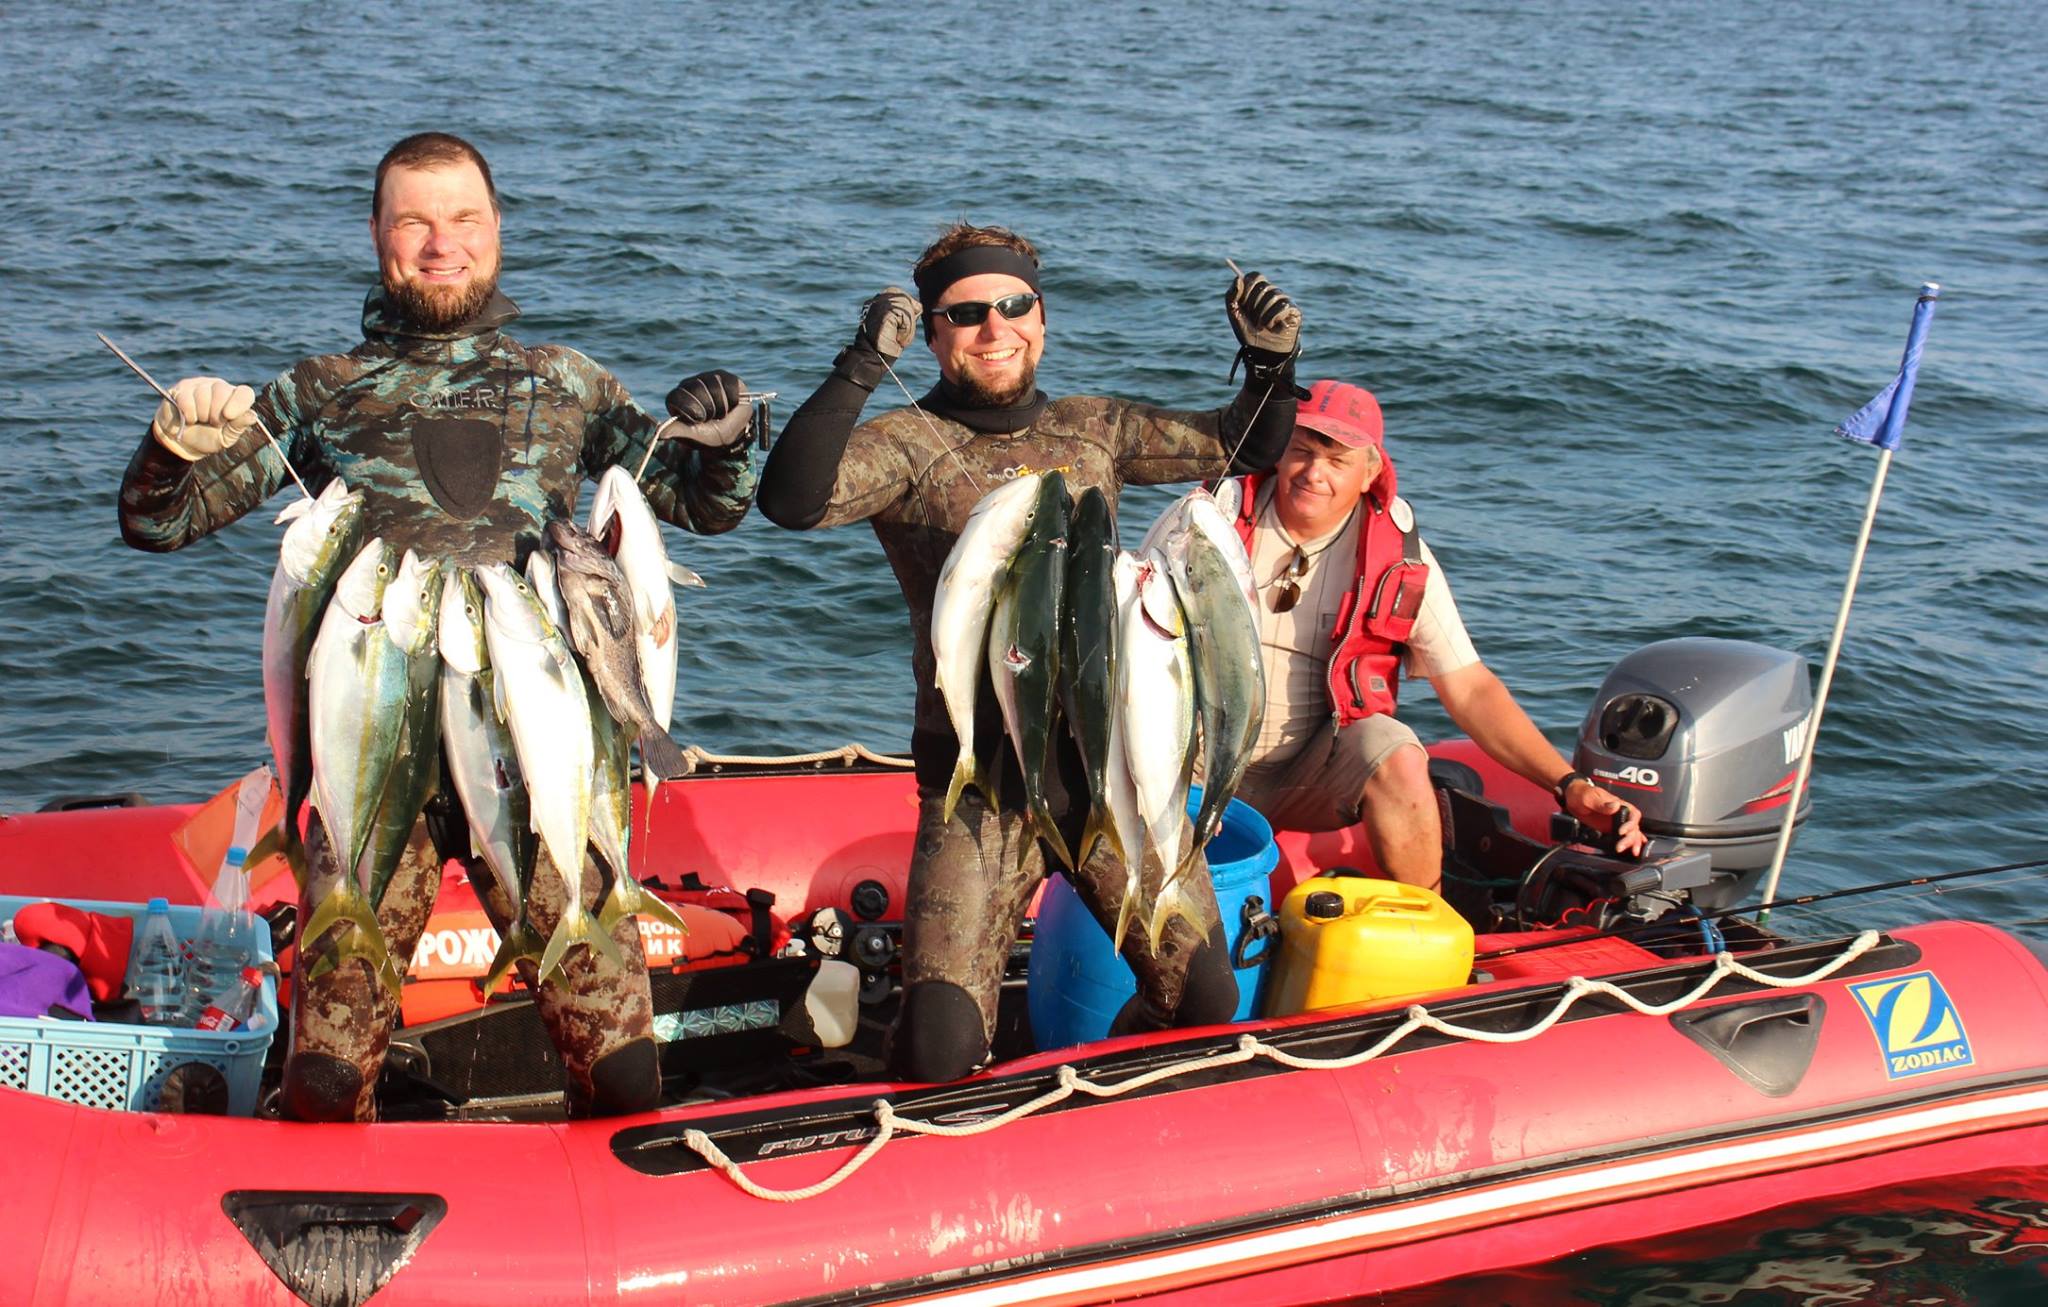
x,y
136,368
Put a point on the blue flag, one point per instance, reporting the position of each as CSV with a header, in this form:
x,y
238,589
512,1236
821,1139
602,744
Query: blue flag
x,y
1882,422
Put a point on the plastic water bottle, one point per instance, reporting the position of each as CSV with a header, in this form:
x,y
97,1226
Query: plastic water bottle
x,y
232,1009
156,967
218,948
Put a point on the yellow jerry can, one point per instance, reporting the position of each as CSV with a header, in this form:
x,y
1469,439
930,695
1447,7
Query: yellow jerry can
x,y
1347,938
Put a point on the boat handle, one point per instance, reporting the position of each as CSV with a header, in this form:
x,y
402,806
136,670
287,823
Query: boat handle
x,y
1259,926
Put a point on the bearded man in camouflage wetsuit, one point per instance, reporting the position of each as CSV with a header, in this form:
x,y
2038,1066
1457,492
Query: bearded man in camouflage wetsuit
x,y
915,474
464,443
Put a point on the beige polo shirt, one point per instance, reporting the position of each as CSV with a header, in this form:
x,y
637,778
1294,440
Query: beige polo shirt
x,y
1297,644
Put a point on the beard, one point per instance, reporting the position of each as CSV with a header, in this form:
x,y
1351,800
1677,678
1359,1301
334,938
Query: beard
x,y
439,308
976,394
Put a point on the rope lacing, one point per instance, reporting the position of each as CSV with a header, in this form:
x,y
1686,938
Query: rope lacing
x,y
1250,1047
845,754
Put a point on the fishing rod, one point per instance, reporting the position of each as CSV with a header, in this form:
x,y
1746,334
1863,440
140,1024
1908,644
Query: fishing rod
x,y
178,411
1803,900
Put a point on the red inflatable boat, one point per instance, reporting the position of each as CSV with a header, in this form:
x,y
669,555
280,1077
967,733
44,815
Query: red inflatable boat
x,y
1304,1159
1587,1085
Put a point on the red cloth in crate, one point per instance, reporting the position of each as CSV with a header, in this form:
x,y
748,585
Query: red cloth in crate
x,y
100,943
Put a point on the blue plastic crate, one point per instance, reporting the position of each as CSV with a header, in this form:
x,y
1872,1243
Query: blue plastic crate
x,y
105,1064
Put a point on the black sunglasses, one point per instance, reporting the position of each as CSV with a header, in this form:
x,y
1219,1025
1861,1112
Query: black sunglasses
x,y
1287,592
972,313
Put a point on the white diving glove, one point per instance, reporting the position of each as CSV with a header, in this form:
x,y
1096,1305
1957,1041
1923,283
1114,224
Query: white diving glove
x,y
210,416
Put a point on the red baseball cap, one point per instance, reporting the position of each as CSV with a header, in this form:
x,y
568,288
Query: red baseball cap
x,y
1346,414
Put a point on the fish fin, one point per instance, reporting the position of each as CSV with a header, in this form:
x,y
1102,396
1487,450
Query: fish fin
x,y
629,899
268,845
661,756
1100,829
1174,902
1049,831
1163,913
361,937
573,932
392,978
1124,914
965,773
683,576
521,941
281,841
295,858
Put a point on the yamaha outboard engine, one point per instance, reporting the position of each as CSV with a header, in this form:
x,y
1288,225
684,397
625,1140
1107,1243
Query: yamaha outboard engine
x,y
1704,737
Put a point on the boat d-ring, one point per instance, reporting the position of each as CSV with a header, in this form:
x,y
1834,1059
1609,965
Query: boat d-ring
x,y
1259,925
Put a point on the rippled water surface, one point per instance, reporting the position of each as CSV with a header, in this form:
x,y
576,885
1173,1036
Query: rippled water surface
x,y
1614,271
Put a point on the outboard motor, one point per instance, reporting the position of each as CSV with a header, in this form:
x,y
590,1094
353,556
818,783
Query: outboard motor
x,y
1704,737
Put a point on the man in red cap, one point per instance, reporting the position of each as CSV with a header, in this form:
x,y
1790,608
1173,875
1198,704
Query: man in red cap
x,y
1349,596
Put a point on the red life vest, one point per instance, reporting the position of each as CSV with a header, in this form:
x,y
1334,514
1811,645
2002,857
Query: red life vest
x,y
1376,619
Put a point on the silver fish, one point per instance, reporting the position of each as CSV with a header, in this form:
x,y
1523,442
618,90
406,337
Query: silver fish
x,y
543,699
961,609
484,764
1209,569
1157,703
626,526
359,685
320,541
1120,791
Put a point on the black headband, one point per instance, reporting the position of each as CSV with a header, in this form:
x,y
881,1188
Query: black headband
x,y
972,262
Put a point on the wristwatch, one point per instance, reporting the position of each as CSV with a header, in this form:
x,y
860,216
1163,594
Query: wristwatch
x,y
1564,785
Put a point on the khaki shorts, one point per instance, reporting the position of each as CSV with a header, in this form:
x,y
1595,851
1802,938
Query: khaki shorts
x,y
1322,786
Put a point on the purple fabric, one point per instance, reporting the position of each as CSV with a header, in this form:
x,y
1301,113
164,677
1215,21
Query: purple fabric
x,y
33,981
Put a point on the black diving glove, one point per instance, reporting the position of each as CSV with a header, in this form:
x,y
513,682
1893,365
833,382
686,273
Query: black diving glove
x,y
888,323
710,411
1268,327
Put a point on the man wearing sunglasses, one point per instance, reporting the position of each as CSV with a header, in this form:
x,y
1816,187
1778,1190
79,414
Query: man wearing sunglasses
x,y
915,474
1349,596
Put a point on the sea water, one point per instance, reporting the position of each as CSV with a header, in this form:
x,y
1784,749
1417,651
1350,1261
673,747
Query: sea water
x,y
1613,269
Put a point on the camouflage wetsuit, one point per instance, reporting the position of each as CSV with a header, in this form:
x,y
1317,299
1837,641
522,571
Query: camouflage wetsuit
x,y
463,443
915,474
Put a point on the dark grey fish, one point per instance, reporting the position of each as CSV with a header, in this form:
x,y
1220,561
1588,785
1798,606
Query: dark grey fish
x,y
1087,670
1024,650
599,604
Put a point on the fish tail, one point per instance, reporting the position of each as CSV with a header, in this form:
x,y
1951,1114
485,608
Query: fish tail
x,y
965,773
1049,831
661,757
1100,827
1124,914
361,937
521,941
1172,903
629,899
282,841
575,930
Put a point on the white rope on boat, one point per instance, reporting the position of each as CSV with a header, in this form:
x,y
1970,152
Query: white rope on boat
x,y
846,754
1251,1047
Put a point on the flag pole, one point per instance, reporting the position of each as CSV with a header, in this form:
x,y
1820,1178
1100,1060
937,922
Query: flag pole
x,y
1882,423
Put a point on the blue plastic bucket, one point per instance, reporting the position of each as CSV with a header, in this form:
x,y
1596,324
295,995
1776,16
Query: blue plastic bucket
x,y
1078,984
